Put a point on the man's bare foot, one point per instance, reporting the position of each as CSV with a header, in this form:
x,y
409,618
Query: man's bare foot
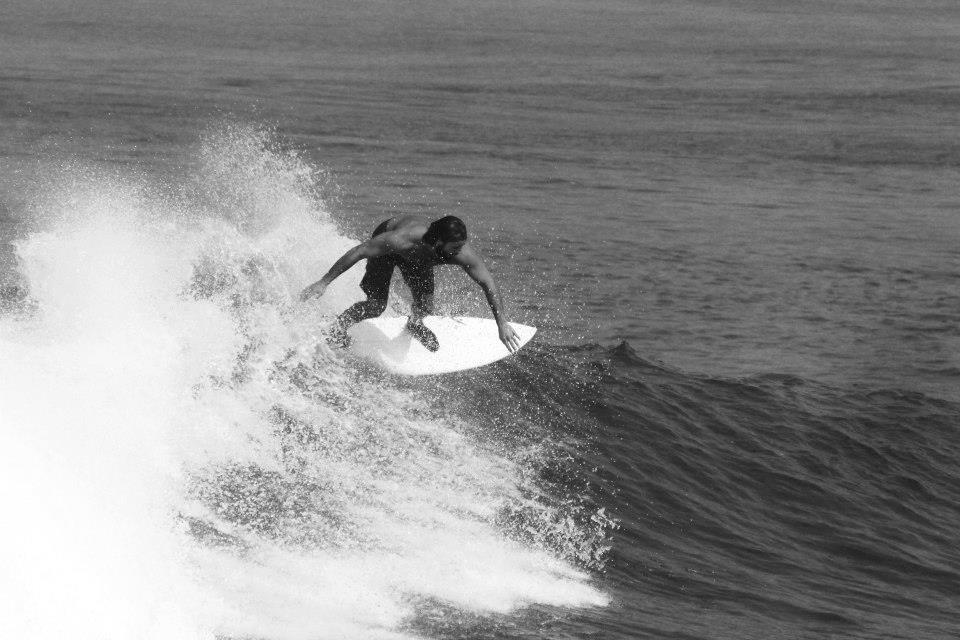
x,y
337,336
423,335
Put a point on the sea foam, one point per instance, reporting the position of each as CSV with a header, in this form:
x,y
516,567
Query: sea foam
x,y
186,458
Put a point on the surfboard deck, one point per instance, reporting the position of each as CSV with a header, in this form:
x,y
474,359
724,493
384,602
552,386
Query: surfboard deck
x,y
465,343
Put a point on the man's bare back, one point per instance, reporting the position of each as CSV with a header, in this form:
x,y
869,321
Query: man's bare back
x,y
403,236
416,246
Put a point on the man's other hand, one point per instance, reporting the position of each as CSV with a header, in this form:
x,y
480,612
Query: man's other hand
x,y
509,337
313,291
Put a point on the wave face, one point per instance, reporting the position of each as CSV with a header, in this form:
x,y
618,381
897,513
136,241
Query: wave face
x,y
770,506
185,458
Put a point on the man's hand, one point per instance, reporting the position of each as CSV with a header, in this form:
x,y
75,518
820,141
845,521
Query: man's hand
x,y
508,336
314,290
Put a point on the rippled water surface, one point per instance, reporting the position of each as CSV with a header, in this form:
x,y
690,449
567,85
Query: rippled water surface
x,y
735,224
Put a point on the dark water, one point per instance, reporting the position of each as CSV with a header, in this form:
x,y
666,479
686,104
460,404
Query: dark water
x,y
734,223
767,507
734,188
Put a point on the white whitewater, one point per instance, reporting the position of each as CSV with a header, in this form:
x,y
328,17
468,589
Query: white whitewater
x,y
183,457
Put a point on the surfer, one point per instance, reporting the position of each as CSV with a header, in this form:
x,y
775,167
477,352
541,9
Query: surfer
x,y
415,246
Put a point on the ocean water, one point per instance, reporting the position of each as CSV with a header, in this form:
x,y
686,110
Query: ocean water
x,y
734,222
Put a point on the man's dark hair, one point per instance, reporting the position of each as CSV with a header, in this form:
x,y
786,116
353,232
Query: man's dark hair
x,y
446,229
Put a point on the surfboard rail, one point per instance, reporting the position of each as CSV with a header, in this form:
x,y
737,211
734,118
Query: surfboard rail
x,y
466,342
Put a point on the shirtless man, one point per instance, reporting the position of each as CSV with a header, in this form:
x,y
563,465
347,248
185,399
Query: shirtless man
x,y
416,246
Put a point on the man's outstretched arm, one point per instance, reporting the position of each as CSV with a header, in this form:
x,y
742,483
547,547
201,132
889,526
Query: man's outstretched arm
x,y
372,248
479,273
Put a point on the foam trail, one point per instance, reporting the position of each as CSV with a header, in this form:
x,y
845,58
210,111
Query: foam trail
x,y
90,392
185,458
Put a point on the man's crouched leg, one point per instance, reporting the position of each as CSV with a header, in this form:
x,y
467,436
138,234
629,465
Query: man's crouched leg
x,y
421,283
337,335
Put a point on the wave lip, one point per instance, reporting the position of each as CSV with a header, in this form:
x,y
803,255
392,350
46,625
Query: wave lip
x,y
200,455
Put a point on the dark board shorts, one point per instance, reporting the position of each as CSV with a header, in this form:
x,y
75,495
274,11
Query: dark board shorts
x,y
376,280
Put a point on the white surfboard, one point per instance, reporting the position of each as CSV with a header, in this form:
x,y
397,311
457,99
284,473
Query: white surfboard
x,y
465,343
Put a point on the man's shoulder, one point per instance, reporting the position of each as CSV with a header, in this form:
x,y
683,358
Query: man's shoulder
x,y
467,257
407,231
398,238
409,223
